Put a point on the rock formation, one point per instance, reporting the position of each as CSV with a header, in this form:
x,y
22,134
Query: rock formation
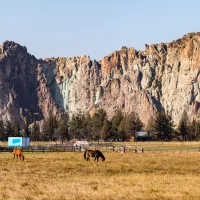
x,y
164,77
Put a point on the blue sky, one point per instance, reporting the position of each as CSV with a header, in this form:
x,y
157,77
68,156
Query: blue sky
x,y
63,28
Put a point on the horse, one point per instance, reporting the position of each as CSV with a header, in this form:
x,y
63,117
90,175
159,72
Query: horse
x,y
93,153
18,152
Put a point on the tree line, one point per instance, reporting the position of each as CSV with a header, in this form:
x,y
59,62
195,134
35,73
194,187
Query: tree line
x,y
98,127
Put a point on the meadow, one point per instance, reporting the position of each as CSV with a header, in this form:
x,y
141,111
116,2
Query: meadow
x,y
67,176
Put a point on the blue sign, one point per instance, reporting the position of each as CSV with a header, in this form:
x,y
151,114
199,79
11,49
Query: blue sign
x,y
18,141
14,141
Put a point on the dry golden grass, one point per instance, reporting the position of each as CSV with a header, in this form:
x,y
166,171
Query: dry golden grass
x,y
60,176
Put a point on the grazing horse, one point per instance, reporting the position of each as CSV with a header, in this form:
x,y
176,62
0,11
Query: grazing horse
x,y
93,153
18,152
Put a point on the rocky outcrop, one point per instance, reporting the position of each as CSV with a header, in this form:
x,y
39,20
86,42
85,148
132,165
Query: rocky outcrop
x,y
18,97
23,92
164,77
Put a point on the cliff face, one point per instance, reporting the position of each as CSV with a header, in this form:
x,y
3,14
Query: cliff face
x,y
23,92
164,77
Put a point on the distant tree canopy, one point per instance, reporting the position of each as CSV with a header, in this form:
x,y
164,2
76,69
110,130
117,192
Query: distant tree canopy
x,y
98,127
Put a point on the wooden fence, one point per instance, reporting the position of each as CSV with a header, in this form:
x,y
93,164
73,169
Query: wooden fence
x,y
108,148
43,149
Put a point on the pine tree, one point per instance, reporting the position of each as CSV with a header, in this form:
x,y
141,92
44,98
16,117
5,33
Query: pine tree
x,y
122,130
135,123
44,132
183,126
197,130
98,122
150,128
62,129
76,126
191,131
2,131
51,125
129,125
35,131
115,123
16,129
87,126
105,132
9,132
163,125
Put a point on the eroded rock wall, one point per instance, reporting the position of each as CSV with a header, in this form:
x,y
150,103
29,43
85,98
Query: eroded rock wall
x,y
164,77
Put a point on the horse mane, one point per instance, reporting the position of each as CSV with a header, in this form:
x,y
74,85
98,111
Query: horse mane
x,y
100,154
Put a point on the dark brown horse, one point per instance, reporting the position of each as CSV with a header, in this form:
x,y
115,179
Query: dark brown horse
x,y
94,153
18,152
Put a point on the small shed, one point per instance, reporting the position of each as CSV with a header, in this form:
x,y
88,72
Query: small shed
x,y
82,144
142,136
18,141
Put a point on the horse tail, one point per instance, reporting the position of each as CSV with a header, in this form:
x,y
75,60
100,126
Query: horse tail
x,y
85,154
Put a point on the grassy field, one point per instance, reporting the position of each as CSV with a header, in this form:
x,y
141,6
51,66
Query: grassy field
x,y
60,176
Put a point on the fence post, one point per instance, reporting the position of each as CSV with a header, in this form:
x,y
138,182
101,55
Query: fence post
x,y
135,149
113,149
124,149
43,149
80,149
142,150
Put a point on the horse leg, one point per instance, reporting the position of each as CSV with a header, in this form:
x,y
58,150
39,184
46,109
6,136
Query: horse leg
x,y
97,158
88,158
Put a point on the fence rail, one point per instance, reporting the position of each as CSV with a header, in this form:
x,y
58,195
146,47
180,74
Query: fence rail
x,y
108,148
51,148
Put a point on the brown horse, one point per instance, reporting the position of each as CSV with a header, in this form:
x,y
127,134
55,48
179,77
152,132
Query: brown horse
x,y
93,153
18,152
